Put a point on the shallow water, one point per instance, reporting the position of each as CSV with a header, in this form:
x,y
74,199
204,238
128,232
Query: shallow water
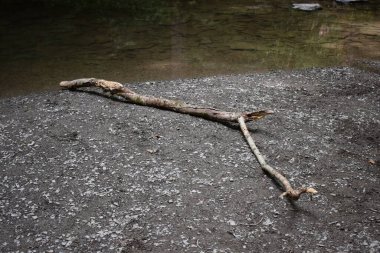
x,y
41,45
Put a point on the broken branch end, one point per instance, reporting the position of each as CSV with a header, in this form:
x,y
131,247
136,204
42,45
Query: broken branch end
x,y
257,115
296,194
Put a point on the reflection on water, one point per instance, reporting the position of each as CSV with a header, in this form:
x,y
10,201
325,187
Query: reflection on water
x,y
41,45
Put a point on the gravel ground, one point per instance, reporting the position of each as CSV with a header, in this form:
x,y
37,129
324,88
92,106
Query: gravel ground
x,y
84,173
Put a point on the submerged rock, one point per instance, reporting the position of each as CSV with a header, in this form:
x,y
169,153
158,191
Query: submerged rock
x,y
307,7
350,1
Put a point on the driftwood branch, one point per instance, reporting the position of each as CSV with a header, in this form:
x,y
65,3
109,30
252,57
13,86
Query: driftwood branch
x,y
273,173
205,112
118,89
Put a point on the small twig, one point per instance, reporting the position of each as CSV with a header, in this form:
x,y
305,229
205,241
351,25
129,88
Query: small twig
x,y
289,192
198,244
253,224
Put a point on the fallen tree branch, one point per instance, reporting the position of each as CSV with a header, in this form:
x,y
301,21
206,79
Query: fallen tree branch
x,y
118,89
289,192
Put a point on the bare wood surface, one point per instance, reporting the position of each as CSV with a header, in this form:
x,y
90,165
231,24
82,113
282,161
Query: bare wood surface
x,y
205,112
289,192
118,89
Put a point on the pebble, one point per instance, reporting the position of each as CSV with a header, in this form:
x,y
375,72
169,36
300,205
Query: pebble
x,y
307,6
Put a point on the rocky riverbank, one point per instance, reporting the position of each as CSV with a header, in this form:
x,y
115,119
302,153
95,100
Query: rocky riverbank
x,y
84,173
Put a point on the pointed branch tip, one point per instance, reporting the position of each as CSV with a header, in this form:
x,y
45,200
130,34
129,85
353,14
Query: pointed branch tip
x,y
296,194
257,115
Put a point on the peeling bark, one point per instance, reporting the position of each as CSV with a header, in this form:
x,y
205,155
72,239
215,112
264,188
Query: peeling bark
x,y
204,112
118,89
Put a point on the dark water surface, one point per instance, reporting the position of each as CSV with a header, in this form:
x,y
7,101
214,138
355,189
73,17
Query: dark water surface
x,y
42,44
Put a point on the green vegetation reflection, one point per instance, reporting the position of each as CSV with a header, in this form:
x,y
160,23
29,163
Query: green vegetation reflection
x,y
144,40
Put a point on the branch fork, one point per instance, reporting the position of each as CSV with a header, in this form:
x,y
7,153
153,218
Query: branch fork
x,y
119,90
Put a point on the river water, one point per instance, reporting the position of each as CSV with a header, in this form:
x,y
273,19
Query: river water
x,y
42,44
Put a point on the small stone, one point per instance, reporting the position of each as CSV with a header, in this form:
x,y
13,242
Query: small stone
x,y
307,7
267,222
231,222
